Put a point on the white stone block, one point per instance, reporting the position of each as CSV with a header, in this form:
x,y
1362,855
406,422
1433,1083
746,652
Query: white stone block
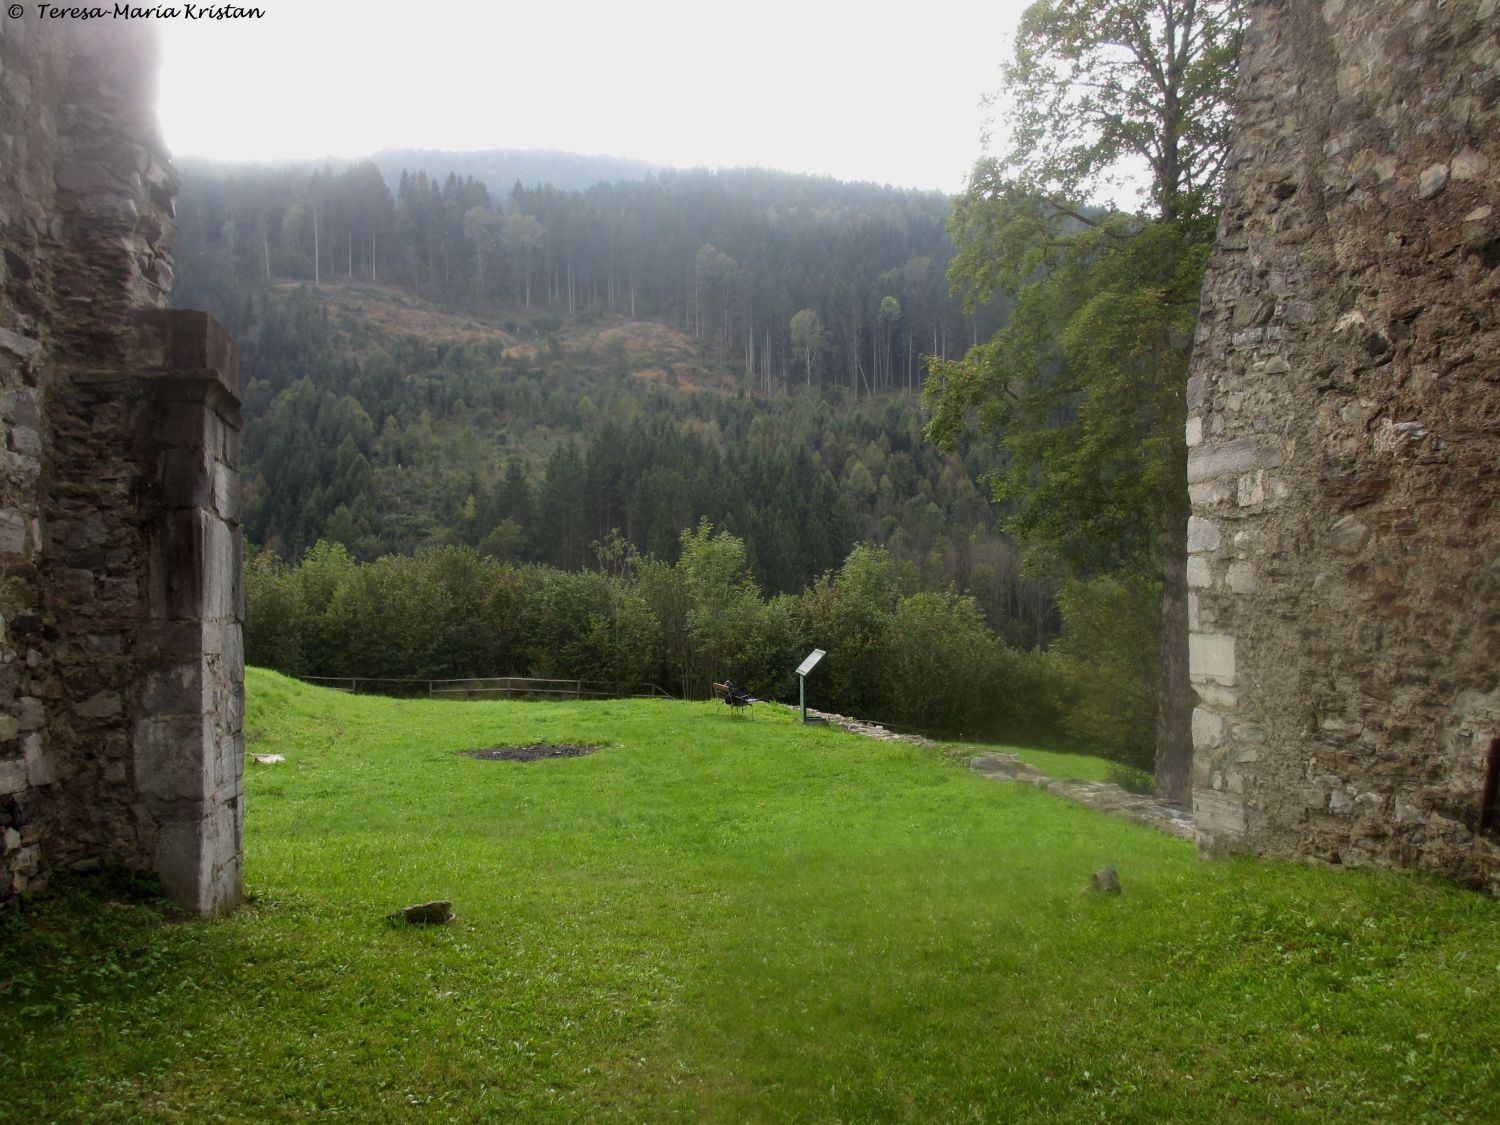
x,y
1219,813
12,532
1199,573
1217,696
1202,535
1211,657
1208,729
1194,431
1209,493
38,764
1251,489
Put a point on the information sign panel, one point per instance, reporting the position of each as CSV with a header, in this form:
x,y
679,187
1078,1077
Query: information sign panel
x,y
811,662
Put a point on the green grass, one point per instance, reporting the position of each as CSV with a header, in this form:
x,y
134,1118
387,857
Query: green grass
x,y
728,920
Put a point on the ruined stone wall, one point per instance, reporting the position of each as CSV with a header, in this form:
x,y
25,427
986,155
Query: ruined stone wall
x,y
1344,434
120,667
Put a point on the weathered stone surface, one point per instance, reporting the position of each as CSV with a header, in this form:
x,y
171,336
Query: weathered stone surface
x,y
1211,657
118,481
1345,642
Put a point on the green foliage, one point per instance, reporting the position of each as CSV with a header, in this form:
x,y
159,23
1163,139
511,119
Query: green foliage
x,y
723,605
1097,83
273,633
1084,387
922,660
1107,666
943,666
587,625
850,615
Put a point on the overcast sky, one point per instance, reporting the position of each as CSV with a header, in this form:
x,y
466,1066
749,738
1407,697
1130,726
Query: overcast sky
x,y
875,90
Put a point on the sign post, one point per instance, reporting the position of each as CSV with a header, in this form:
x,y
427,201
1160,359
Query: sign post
x,y
803,669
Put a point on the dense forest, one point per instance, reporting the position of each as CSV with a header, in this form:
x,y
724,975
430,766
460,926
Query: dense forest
x,y
423,386
792,280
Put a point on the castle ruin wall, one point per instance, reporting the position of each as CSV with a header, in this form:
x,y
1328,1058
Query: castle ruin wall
x,y
121,668
1344,445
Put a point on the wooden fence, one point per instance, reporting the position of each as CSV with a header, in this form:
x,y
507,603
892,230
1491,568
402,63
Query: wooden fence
x,y
487,687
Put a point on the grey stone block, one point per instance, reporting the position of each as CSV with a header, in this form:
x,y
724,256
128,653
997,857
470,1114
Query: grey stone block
x,y
172,760
12,776
1222,458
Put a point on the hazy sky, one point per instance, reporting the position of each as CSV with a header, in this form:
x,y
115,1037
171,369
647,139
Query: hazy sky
x,y
875,90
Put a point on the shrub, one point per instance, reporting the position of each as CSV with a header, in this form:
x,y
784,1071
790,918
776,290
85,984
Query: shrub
x,y
942,665
1109,662
274,614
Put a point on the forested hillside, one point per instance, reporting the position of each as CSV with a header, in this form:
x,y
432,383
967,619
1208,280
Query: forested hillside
x,y
429,367
792,279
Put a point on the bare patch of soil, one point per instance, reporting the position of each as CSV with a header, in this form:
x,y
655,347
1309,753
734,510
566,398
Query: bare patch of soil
x,y
531,753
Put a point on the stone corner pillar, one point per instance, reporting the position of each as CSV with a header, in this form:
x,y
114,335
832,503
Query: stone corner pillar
x,y
188,740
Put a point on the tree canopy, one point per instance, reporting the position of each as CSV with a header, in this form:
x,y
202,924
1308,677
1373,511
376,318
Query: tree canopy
x,y
1084,386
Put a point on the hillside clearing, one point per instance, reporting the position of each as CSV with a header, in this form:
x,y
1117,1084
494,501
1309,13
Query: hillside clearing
x,y
722,920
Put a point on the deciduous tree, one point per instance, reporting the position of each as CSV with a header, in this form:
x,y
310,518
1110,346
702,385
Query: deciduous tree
x,y
1084,387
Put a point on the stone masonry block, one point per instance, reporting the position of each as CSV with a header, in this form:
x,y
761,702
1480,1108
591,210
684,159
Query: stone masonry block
x,y
1219,813
172,760
1241,578
180,425
12,777
175,690
185,477
192,566
221,569
40,767
199,859
1202,535
12,532
1208,729
1211,657
226,492
1223,458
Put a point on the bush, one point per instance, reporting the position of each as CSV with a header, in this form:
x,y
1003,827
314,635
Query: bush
x,y
274,614
585,625
942,666
1109,661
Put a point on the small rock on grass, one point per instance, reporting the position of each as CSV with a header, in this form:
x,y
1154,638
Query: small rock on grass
x,y
1106,880
268,759
424,913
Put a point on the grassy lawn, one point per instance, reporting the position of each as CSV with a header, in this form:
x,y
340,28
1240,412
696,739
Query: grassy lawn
x,y
724,920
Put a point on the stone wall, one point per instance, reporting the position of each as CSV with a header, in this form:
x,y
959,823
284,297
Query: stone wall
x,y
120,666
1344,434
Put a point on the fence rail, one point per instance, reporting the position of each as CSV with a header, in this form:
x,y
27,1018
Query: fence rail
x,y
483,687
